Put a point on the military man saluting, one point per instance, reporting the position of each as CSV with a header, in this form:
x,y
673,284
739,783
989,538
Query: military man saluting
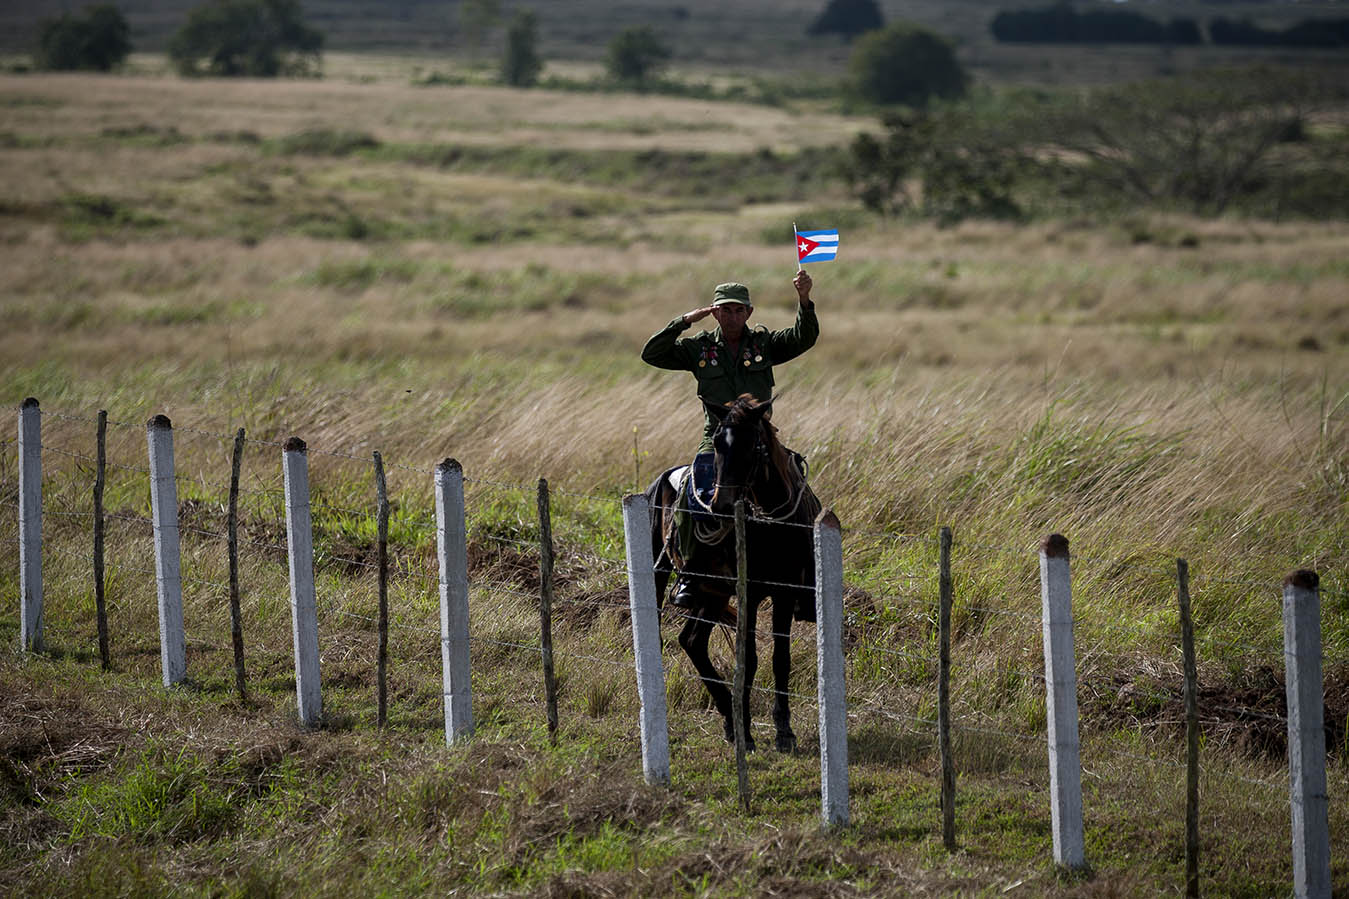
x,y
733,359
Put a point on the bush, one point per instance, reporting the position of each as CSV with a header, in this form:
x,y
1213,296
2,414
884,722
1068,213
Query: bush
x,y
99,41
848,18
636,54
1061,24
521,65
961,167
255,38
1307,33
905,64
1211,139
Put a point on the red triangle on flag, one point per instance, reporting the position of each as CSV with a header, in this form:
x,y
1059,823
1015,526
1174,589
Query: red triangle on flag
x,y
804,247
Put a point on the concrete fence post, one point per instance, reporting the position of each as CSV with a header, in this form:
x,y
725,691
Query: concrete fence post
x,y
1306,735
1065,764
30,526
168,561
646,640
452,553
303,603
831,684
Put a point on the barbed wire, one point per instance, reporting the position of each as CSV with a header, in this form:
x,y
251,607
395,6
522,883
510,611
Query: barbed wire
x,y
1117,562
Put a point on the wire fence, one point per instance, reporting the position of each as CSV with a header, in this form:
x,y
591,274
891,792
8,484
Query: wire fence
x,y
1128,672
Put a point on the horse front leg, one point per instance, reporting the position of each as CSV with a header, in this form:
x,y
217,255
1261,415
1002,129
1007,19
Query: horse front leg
x,y
693,638
782,673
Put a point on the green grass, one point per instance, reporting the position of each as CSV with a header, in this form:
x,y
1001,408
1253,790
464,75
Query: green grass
x,y
348,274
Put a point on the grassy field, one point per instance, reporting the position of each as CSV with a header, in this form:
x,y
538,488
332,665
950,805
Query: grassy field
x,y
471,272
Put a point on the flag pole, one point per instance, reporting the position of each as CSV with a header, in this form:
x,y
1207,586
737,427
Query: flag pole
x,y
795,248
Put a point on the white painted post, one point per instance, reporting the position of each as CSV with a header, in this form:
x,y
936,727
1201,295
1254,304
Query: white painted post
x,y
1306,735
30,526
303,603
452,552
834,807
646,640
168,562
1065,765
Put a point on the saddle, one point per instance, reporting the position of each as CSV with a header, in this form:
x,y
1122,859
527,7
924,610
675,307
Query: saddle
x,y
693,522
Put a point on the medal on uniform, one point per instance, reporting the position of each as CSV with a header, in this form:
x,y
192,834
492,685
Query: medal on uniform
x,y
758,358
702,363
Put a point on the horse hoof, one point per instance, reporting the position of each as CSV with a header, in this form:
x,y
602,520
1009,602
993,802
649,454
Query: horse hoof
x,y
786,742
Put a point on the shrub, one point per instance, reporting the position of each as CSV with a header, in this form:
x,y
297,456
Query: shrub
x,y
98,41
962,169
636,54
848,18
521,64
906,64
256,38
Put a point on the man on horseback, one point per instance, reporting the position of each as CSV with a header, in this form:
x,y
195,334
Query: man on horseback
x,y
727,363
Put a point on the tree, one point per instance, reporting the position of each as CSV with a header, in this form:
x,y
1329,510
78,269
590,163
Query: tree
x,y
1203,141
98,41
944,164
848,18
906,64
521,64
256,38
636,54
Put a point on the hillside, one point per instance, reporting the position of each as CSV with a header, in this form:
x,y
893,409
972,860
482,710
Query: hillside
x,y
744,36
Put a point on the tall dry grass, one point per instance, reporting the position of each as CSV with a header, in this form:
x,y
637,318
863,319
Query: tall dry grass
x,y
1152,387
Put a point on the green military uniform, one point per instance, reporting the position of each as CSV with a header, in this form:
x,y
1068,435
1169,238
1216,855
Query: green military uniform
x,y
721,379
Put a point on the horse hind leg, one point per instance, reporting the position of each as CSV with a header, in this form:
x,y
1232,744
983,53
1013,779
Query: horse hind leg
x,y
693,639
782,673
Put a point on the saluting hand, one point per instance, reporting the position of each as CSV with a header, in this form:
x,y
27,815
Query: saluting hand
x,y
802,283
697,314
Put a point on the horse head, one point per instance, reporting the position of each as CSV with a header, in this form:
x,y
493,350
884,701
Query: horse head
x,y
740,444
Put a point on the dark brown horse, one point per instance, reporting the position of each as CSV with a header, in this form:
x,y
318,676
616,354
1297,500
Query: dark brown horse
x,y
750,464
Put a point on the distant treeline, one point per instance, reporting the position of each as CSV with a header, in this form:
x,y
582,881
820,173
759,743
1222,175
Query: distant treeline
x,y
1061,24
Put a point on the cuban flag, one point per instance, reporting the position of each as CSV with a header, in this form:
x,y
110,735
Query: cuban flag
x,y
816,246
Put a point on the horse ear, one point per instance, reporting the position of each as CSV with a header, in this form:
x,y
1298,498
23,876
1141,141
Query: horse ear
x,y
716,410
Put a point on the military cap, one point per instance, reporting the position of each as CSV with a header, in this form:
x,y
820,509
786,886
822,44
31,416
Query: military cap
x,y
731,292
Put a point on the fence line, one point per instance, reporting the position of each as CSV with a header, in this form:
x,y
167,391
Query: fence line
x,y
1063,748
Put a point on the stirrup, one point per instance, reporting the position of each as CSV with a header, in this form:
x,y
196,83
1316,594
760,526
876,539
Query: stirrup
x,y
684,597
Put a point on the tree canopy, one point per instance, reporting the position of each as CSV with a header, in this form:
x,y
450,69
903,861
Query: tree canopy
x,y
521,64
635,54
1203,141
1061,24
848,18
905,64
257,38
99,40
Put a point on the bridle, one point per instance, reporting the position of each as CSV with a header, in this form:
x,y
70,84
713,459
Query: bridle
x,y
714,532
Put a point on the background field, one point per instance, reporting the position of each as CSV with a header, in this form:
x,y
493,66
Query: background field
x,y
470,272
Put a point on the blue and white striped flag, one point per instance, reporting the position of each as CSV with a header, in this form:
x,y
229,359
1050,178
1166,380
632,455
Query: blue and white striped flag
x,y
816,246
